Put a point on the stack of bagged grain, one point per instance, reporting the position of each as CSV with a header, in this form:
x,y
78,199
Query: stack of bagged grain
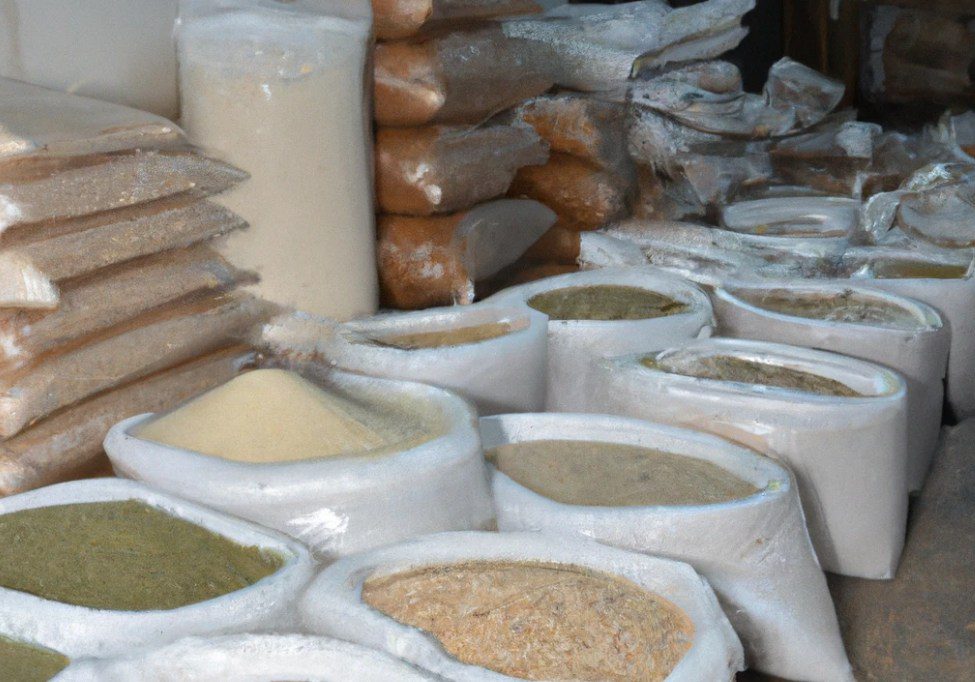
x,y
112,302
465,108
596,52
442,67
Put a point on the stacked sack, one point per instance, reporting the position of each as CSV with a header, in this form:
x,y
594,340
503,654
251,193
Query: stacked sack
x,y
442,68
113,304
562,146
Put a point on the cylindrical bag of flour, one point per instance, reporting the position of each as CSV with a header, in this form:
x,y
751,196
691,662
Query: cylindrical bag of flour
x,y
248,658
476,607
731,513
837,422
944,281
105,566
411,465
899,332
602,313
495,356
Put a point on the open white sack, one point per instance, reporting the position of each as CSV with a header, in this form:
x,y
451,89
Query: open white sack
x,y
336,505
78,631
333,604
503,374
755,552
574,346
954,297
248,658
849,455
919,353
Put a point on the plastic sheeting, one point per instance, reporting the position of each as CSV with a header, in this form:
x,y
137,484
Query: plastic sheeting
x,y
502,374
248,658
574,346
78,631
755,552
333,603
337,505
918,348
849,454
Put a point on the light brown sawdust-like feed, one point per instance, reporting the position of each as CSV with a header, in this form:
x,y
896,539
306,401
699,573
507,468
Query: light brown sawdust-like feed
x,y
605,302
539,621
457,336
740,370
847,307
593,473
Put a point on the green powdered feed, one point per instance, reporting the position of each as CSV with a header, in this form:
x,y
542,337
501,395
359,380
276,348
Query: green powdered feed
x,y
605,302
124,556
20,662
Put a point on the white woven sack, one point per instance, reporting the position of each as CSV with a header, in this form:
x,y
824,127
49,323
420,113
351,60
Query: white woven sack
x,y
918,353
503,374
849,454
755,551
336,505
333,603
574,346
78,631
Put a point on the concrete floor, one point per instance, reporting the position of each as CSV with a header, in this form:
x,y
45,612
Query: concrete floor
x,y
920,627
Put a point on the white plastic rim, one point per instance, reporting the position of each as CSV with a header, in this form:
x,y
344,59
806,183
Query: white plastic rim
x,y
78,631
954,298
333,604
574,346
248,658
503,374
335,505
806,216
919,353
755,552
719,251
849,454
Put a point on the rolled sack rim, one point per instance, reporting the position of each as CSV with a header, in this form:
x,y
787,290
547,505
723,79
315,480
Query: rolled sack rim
x,y
29,613
332,604
773,480
350,343
645,277
270,653
882,386
928,318
133,456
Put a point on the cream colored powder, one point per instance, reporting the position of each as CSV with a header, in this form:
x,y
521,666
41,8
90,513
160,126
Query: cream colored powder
x,y
447,337
739,370
846,307
273,415
615,475
538,621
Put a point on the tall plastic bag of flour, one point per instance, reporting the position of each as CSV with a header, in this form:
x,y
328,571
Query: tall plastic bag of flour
x,y
723,508
280,90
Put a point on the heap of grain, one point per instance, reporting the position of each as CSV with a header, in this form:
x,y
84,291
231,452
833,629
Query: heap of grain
x,y
340,461
114,303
